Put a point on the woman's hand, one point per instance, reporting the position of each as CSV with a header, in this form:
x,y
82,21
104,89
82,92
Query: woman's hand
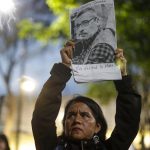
x,y
121,61
67,52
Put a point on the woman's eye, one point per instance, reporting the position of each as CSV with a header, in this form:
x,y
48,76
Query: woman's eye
x,y
85,115
70,115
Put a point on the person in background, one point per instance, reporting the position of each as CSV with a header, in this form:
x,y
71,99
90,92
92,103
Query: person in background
x,y
4,145
84,125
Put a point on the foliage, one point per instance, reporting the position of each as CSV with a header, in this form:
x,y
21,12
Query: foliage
x,y
59,27
104,91
59,7
132,31
28,28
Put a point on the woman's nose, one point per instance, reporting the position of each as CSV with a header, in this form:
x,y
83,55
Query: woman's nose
x,y
78,118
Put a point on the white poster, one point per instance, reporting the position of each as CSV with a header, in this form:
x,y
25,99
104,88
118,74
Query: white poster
x,y
93,28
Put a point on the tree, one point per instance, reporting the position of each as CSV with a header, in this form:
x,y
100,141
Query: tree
x,y
135,31
14,50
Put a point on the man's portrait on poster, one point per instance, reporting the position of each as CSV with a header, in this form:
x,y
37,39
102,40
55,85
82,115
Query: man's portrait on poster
x,y
95,41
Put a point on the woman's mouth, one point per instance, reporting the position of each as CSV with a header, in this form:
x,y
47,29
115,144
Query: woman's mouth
x,y
76,129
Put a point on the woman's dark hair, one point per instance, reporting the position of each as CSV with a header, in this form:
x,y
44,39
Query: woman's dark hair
x,y
96,110
4,139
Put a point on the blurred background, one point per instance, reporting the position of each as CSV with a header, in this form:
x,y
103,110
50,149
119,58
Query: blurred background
x,y
32,33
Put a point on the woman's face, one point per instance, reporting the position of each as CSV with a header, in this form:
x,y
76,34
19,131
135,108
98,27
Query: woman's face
x,y
80,123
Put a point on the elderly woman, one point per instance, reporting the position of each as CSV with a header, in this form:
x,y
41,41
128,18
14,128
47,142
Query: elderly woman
x,y
84,126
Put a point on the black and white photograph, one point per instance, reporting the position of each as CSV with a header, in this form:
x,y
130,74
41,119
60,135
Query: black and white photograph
x,y
93,28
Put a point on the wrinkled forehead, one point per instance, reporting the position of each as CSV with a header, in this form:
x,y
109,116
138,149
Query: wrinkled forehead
x,y
79,107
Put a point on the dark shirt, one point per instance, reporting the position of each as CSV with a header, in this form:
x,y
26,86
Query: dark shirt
x,y
128,108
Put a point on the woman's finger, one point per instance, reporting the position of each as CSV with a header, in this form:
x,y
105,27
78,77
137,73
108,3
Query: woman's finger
x,y
69,43
65,55
118,50
69,50
119,53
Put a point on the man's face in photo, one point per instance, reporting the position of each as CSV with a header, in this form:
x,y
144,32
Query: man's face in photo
x,y
86,25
